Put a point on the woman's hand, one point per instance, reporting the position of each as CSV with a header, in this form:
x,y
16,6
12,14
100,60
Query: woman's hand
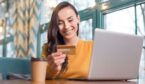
x,y
55,61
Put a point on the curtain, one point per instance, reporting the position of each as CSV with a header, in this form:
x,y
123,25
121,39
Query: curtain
x,y
26,19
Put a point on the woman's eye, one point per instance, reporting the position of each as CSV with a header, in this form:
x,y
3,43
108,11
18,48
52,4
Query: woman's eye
x,y
70,20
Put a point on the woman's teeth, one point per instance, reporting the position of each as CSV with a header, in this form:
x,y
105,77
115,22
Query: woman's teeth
x,y
68,31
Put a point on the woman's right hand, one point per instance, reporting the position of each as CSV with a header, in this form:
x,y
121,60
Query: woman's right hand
x,y
55,61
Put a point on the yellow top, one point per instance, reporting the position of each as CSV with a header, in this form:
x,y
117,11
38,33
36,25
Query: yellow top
x,y
78,64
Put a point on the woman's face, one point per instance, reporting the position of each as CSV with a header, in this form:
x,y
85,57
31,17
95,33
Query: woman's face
x,y
68,23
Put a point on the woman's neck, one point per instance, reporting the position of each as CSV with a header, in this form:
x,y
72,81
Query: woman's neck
x,y
72,41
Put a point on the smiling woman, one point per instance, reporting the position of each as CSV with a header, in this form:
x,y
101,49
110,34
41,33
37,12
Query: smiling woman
x,y
63,30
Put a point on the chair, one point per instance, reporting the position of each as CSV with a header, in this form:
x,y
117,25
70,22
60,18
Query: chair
x,y
14,65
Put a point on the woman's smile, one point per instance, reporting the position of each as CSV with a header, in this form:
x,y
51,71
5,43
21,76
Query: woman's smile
x,y
68,31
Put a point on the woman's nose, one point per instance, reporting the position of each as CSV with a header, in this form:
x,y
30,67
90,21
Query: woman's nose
x,y
66,25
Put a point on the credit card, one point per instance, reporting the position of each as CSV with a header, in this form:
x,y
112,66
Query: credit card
x,y
68,49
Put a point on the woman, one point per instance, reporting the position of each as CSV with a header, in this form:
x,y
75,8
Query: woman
x,y
63,30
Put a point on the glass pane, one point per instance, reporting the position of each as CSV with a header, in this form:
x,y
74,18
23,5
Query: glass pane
x,y
83,5
1,50
10,50
85,30
141,31
43,39
104,0
121,21
48,6
2,25
140,21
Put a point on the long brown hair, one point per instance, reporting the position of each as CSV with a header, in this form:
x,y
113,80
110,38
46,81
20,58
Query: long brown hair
x,y
54,38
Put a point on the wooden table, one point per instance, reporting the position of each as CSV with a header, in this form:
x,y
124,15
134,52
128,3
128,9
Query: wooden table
x,y
142,81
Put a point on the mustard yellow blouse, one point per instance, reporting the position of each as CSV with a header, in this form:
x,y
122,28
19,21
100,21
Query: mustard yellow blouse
x,y
78,64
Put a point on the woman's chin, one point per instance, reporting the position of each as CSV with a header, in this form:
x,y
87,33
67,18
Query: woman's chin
x,y
68,37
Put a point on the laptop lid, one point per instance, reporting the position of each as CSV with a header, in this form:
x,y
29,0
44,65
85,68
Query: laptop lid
x,y
115,56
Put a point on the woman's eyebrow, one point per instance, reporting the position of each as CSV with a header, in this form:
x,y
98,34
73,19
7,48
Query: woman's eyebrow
x,y
70,17
59,20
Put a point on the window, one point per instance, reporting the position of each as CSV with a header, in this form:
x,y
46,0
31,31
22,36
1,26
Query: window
x,y
10,50
43,39
121,21
48,6
140,20
141,31
85,30
1,50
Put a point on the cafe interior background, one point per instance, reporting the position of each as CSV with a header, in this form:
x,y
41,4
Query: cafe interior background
x,y
24,23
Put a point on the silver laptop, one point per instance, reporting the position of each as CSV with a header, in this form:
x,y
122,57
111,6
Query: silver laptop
x,y
115,56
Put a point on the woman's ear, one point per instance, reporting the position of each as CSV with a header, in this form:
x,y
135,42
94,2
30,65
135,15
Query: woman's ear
x,y
78,17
